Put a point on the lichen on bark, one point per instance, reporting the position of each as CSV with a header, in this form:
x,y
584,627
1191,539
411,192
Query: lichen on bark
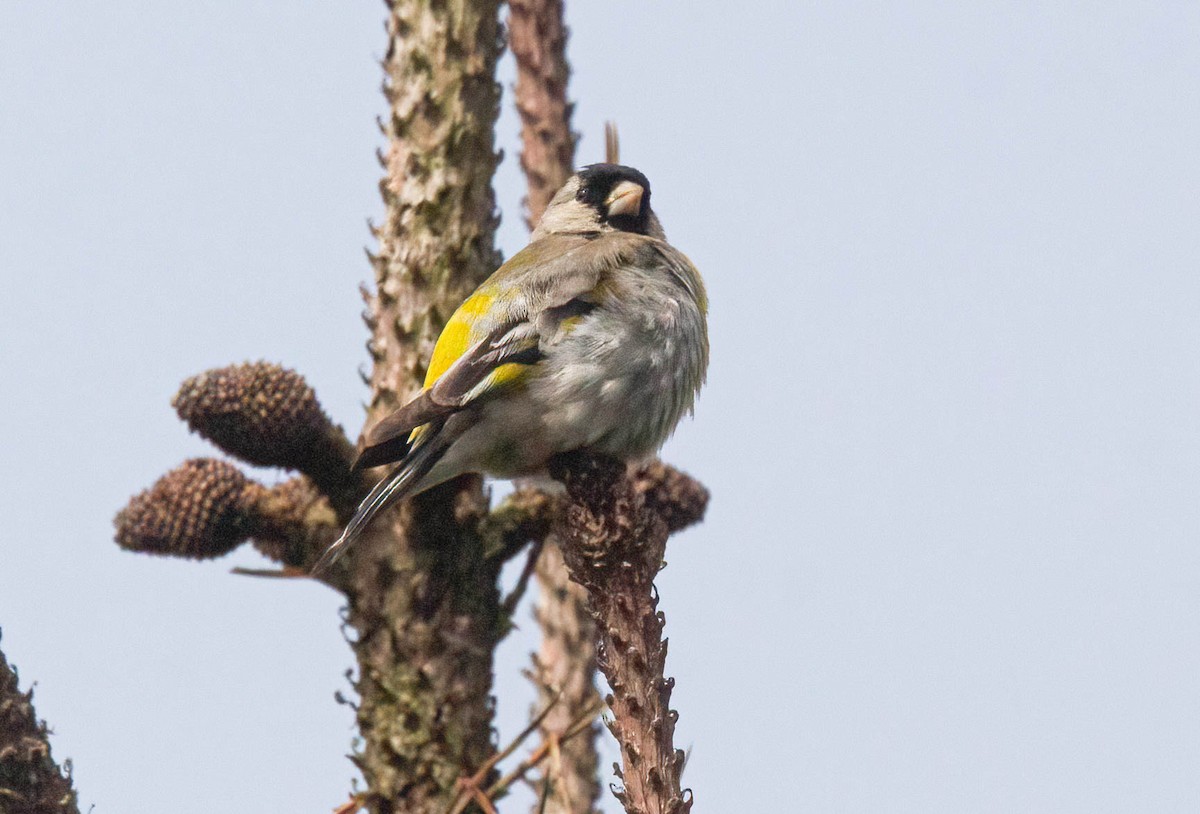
x,y
423,597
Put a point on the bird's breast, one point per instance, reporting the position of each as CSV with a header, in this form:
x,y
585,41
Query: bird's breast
x,y
620,377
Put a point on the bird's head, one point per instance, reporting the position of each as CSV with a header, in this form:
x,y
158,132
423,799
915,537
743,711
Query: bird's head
x,y
601,198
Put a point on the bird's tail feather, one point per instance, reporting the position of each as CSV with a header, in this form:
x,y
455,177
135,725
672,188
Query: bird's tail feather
x,y
398,484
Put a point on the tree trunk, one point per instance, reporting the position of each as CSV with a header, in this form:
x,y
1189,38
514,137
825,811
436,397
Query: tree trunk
x,y
423,598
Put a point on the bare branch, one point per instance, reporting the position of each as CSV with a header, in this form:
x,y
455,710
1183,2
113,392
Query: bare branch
x,y
613,544
510,603
538,39
566,660
580,725
470,785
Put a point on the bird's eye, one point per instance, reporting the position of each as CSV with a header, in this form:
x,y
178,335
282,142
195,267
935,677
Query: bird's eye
x,y
582,194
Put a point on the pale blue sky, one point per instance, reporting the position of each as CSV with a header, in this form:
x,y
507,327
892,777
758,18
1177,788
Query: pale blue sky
x,y
952,425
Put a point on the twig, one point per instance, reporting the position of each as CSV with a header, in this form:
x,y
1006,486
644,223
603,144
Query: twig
x,y
509,605
471,784
483,801
581,724
517,741
287,572
469,788
352,805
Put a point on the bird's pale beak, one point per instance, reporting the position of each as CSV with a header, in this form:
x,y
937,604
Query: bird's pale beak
x,y
625,199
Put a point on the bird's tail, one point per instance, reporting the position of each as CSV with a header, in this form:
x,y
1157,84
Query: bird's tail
x,y
398,484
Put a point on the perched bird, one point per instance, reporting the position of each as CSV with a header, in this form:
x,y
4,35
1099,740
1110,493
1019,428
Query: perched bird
x,y
593,336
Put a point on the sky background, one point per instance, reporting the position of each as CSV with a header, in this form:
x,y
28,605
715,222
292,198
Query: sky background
x,y
952,424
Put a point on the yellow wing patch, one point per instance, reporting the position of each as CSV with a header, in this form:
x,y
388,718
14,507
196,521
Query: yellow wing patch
x,y
457,337
506,374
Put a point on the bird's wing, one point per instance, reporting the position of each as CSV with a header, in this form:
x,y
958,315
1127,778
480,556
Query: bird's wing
x,y
498,357
492,340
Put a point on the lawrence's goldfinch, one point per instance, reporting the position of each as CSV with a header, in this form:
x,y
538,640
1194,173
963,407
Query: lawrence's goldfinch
x,y
593,336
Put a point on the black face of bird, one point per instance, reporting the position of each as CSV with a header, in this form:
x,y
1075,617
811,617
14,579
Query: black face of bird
x,y
620,195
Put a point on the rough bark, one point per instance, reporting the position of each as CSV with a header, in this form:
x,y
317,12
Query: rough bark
x,y
613,539
423,598
538,38
30,781
436,241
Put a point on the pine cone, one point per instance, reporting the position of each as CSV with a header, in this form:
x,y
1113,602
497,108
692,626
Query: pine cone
x,y
265,414
289,515
199,510
679,499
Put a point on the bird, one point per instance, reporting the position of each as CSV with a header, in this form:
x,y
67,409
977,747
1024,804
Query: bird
x,y
594,337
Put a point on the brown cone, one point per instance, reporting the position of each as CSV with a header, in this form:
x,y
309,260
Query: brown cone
x,y
198,511
265,414
676,497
